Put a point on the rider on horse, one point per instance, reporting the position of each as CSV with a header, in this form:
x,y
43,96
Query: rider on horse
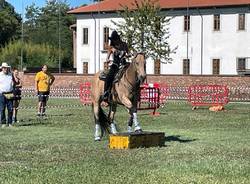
x,y
119,50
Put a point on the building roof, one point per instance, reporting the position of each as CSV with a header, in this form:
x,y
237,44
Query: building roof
x,y
115,5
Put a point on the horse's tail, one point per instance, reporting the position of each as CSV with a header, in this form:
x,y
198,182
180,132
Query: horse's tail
x,y
104,121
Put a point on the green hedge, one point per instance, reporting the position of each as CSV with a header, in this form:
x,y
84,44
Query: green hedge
x,y
34,55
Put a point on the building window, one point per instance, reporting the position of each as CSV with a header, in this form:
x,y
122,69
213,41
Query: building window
x,y
216,66
106,65
241,22
85,35
186,23
186,67
216,22
241,64
157,66
105,38
85,67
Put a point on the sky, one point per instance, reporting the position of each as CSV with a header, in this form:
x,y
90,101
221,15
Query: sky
x,y
18,3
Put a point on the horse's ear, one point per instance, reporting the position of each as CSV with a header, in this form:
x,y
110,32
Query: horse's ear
x,y
135,54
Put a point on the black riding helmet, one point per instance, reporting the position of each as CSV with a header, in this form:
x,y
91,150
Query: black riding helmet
x,y
114,37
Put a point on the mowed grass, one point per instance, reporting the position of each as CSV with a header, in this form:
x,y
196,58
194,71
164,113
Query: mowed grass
x,y
201,147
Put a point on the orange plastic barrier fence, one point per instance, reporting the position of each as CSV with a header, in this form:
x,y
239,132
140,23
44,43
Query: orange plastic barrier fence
x,y
208,95
85,93
152,96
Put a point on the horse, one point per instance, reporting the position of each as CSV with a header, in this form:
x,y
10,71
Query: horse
x,y
125,92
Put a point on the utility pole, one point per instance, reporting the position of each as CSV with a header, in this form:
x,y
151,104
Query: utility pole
x,y
188,23
59,37
21,61
99,35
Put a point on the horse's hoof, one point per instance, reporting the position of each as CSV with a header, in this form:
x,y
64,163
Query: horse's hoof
x,y
138,130
97,138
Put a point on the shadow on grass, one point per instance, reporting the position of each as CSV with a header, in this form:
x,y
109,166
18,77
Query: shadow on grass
x,y
34,122
58,115
177,138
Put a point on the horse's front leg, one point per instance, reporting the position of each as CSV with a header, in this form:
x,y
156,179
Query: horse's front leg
x,y
133,114
134,110
112,116
132,107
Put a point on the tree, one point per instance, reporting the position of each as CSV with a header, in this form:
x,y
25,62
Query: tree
x,y
49,25
146,30
34,55
10,23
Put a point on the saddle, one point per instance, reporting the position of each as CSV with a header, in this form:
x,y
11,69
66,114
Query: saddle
x,y
118,75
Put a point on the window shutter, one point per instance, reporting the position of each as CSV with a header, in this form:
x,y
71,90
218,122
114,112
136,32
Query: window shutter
x,y
216,66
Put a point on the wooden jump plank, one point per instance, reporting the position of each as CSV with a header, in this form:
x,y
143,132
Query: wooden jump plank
x,y
136,140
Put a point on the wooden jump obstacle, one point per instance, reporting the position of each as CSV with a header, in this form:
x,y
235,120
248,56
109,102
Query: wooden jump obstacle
x,y
136,140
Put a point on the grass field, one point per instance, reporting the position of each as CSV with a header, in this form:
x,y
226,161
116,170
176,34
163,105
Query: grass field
x,y
201,147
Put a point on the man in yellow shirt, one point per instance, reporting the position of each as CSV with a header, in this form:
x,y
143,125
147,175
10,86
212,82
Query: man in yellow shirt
x,y
43,81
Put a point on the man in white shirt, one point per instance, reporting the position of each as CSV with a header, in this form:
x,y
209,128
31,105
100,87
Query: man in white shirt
x,y
6,91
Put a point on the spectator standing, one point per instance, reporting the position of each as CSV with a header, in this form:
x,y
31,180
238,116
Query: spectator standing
x,y
43,81
6,95
17,85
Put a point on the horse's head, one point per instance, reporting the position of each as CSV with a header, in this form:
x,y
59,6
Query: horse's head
x,y
139,63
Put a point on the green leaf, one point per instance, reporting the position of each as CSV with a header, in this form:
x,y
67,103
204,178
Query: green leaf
x,y
146,29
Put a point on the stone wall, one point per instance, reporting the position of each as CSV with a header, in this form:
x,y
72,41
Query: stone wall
x,y
74,80
180,80
61,80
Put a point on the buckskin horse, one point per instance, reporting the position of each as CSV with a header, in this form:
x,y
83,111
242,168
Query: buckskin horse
x,y
124,92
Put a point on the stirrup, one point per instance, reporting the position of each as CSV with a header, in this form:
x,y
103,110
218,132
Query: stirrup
x,y
115,80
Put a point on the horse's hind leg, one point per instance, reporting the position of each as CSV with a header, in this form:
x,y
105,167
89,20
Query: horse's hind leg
x,y
98,133
130,123
111,116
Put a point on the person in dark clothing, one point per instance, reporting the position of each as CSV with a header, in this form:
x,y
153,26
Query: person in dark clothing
x,y
17,85
118,49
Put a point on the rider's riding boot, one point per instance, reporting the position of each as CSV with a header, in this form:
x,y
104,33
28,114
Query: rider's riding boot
x,y
105,96
107,87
